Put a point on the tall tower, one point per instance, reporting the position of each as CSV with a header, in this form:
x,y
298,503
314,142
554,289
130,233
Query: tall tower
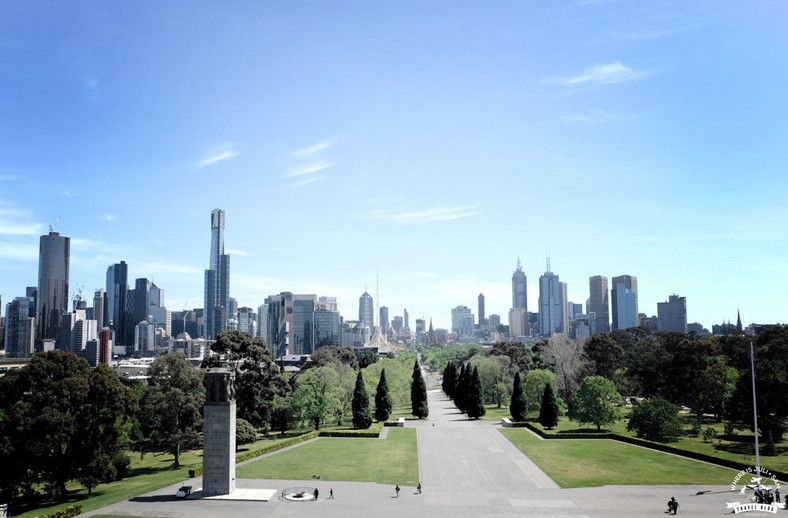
x,y
366,310
624,298
117,303
552,303
217,280
598,302
53,267
481,309
519,284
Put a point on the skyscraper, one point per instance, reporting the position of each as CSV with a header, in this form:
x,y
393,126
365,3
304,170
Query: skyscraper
x,y
384,320
19,328
217,281
366,310
598,302
117,302
462,321
53,268
624,298
552,304
481,309
519,285
672,315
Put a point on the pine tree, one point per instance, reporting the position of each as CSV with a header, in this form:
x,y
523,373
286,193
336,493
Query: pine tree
x,y
548,415
475,404
461,388
450,379
361,415
418,394
382,398
518,406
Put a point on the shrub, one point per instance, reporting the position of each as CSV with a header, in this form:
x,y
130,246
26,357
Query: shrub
x,y
66,512
709,434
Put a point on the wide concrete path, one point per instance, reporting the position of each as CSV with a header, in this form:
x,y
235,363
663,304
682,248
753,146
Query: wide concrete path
x,y
467,469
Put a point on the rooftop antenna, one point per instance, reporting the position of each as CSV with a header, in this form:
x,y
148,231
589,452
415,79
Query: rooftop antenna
x,y
519,264
548,263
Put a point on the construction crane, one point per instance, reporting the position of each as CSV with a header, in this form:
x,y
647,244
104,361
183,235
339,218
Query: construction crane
x,y
54,226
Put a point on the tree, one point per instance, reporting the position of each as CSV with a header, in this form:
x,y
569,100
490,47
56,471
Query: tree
x,y
449,379
655,419
517,353
595,402
281,414
362,418
367,358
601,356
518,406
495,376
475,404
245,433
316,395
171,410
461,389
382,398
59,421
332,355
257,378
418,394
565,358
533,388
548,413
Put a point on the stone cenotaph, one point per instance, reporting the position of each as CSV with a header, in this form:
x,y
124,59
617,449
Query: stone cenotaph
x,y
218,462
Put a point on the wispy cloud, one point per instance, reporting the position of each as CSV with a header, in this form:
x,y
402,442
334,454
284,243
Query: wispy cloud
x,y
592,117
218,154
91,82
111,218
608,74
314,148
16,222
308,169
418,217
20,252
306,181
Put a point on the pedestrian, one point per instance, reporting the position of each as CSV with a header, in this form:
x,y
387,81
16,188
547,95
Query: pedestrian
x,y
396,489
316,493
418,489
777,494
331,494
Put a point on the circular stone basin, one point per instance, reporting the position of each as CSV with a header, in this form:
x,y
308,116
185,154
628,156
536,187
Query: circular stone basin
x,y
300,496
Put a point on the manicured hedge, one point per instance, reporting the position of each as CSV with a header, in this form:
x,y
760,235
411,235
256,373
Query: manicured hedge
x,y
371,432
66,512
654,446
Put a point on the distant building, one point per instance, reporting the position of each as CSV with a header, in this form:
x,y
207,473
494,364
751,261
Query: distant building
x,y
384,320
552,304
117,302
20,328
366,310
217,281
672,315
481,309
518,323
598,303
53,270
462,321
519,287
624,296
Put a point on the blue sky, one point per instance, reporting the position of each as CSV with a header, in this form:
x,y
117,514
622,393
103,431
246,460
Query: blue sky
x,y
432,142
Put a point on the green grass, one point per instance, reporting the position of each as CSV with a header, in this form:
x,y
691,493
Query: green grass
x,y
592,462
390,461
145,475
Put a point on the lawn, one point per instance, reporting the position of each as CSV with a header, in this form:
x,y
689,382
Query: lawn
x,y
393,460
592,462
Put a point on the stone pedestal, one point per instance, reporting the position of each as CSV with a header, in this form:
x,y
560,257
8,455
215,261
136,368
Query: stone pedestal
x,y
218,464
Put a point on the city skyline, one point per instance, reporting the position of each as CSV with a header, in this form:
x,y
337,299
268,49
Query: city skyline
x,y
434,144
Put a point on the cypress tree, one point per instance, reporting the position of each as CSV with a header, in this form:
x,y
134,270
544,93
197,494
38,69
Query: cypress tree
x,y
474,403
418,394
450,379
382,398
460,388
518,406
361,415
548,415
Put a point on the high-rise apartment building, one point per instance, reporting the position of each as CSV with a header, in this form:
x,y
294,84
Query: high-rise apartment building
x,y
20,328
552,304
598,303
406,320
481,309
217,281
462,321
53,268
672,315
366,310
519,287
624,298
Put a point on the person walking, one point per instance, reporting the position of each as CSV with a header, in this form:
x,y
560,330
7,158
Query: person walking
x,y
418,489
396,490
331,493
316,493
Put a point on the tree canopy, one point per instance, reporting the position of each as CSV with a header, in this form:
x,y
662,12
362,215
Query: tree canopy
x,y
418,394
382,398
518,407
362,418
595,401
656,420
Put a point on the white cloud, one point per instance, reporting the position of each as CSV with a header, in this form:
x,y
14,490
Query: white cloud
x,y
314,148
607,74
13,222
308,169
21,252
418,217
217,154
229,251
306,181
111,217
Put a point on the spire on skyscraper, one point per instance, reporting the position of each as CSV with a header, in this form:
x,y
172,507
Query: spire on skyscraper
x,y
738,320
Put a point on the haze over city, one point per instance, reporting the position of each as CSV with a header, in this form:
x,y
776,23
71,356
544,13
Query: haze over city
x,y
429,145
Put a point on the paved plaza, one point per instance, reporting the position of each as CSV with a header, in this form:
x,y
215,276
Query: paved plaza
x,y
467,469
